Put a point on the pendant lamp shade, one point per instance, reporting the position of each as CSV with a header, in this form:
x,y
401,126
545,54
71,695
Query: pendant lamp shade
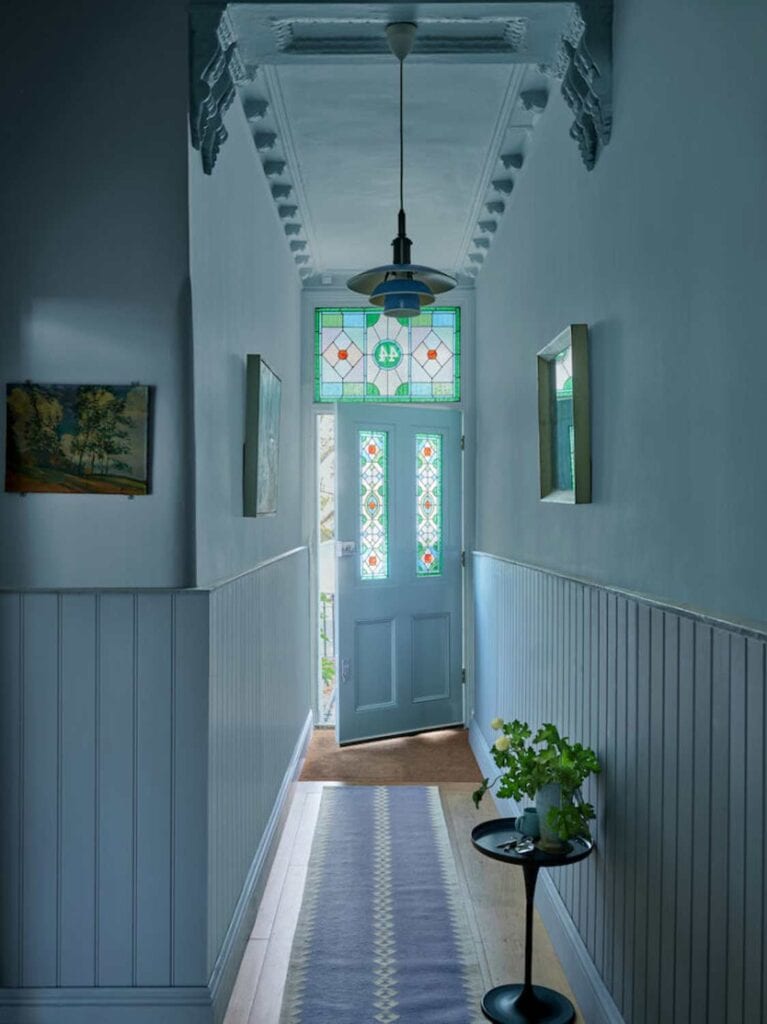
x,y
402,288
401,296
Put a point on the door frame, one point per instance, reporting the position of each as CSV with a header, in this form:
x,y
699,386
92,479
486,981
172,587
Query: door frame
x,y
335,294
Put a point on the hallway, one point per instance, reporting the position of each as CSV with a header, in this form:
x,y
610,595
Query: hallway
x,y
493,893
546,498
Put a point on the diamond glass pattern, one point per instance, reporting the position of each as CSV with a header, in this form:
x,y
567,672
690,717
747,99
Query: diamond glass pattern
x,y
374,498
428,512
363,356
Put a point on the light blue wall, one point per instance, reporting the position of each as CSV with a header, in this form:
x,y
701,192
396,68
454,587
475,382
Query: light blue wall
x,y
146,734
245,298
103,856
94,283
259,702
670,907
661,250
147,741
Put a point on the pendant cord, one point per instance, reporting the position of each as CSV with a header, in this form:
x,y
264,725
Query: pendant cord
x,y
401,138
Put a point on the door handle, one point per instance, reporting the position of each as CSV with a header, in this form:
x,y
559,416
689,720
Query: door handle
x,y
345,670
345,548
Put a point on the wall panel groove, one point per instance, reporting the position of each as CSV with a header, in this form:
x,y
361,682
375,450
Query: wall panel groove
x,y
259,698
144,741
672,906
97,755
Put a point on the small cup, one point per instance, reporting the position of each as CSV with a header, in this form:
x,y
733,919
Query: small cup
x,y
527,823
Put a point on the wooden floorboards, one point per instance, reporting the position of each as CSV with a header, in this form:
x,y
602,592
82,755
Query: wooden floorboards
x,y
493,893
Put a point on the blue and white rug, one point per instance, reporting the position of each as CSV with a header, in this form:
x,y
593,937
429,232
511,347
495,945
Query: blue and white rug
x,y
382,936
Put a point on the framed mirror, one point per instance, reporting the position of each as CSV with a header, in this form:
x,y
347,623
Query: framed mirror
x,y
563,417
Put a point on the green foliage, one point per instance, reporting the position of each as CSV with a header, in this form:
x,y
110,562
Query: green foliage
x,y
328,671
547,758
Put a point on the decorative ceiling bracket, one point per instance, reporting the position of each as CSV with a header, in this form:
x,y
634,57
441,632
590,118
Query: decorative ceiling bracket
x,y
575,48
584,64
218,74
215,71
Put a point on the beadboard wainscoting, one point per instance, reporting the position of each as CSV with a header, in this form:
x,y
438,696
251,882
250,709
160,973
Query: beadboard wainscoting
x,y
147,739
260,724
666,921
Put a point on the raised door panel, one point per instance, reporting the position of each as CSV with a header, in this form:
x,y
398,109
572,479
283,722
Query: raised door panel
x,y
431,657
374,664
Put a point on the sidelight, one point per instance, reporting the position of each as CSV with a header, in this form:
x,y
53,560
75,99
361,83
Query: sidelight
x,y
374,498
428,487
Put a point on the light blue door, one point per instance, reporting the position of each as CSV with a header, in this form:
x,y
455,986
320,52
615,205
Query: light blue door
x,y
399,629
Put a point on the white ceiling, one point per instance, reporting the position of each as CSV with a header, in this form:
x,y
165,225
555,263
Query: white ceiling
x,y
332,93
344,126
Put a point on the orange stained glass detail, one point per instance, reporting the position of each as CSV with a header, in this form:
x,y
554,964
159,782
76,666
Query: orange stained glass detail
x,y
428,557
427,452
372,560
431,354
343,353
372,449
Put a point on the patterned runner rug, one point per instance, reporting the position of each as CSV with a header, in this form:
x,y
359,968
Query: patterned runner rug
x,y
382,936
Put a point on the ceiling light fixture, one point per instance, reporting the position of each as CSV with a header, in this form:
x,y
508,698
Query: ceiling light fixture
x,y
401,287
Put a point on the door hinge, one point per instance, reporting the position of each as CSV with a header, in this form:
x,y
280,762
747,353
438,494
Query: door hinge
x,y
463,676
463,442
463,559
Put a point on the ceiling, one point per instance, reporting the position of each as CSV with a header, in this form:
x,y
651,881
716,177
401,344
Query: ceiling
x,y
321,95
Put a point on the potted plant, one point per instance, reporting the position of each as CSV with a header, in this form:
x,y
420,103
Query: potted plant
x,y
549,769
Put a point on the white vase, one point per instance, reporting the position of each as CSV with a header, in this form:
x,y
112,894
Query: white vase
x,y
546,797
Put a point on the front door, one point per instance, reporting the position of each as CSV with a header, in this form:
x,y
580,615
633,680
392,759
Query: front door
x,y
399,570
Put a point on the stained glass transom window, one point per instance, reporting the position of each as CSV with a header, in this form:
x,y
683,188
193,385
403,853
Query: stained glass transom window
x,y
364,356
428,512
374,499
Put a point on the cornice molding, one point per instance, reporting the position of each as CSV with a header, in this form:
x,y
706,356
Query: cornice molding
x,y
584,65
581,59
317,36
215,71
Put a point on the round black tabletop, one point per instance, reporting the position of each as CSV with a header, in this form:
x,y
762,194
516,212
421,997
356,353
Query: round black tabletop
x,y
490,836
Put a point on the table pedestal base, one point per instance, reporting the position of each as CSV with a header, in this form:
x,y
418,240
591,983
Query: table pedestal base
x,y
514,1004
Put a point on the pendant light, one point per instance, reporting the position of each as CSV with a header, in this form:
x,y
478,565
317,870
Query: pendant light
x,y
401,287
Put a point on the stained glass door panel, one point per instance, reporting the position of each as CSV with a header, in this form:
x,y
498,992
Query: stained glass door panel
x,y
374,504
399,570
428,500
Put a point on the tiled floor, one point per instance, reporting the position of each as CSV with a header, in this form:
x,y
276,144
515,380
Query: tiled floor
x,y
494,895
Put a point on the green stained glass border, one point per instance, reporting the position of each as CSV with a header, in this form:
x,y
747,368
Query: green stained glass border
x,y
362,390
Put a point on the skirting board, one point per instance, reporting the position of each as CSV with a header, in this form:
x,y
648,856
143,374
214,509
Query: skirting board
x,y
228,961
199,1005
595,1002
105,1006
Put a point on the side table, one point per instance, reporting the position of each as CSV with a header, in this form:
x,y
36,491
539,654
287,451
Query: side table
x,y
526,1003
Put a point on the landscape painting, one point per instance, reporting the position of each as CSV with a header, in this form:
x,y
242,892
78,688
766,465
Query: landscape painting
x,y
77,438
